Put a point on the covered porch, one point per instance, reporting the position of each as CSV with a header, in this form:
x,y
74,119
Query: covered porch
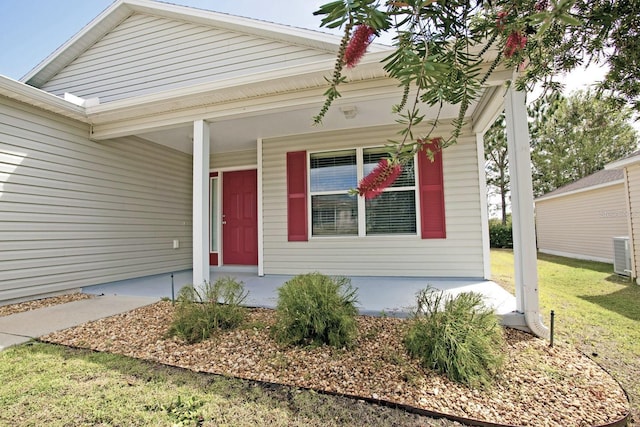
x,y
377,296
221,132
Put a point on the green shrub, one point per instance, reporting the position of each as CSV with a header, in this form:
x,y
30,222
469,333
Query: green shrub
x,y
459,337
314,309
500,235
216,306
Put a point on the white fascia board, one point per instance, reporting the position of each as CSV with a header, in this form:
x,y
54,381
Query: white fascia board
x,y
300,36
236,109
580,190
489,108
30,95
622,163
72,48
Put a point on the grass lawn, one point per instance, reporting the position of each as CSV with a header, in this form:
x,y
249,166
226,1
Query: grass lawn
x,y
50,385
595,310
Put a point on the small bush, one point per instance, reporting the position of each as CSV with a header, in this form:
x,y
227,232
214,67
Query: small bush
x,y
500,235
314,309
200,312
456,336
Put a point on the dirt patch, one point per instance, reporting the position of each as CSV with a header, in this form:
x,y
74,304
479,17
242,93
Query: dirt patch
x,y
6,310
539,385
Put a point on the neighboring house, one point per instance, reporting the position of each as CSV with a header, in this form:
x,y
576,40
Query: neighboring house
x,y
630,167
162,138
580,220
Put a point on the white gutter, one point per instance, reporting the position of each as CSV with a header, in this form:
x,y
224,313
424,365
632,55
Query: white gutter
x,y
619,164
580,190
38,98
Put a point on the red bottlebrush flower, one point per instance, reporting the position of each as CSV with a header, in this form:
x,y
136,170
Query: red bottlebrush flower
x,y
501,20
516,41
384,174
360,40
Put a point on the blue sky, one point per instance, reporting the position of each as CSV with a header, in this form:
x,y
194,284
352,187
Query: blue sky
x,y
30,30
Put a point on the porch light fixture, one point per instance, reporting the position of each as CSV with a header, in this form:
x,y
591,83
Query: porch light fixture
x,y
349,112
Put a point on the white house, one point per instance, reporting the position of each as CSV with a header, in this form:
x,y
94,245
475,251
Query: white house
x,y
162,138
630,169
580,219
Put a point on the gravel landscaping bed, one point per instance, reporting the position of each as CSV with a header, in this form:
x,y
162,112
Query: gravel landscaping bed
x,y
6,310
539,385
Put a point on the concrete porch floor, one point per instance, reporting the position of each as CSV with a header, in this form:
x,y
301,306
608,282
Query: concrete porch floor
x,y
394,296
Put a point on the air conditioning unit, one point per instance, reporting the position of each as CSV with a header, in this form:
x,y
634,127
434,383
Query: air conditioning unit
x,y
621,256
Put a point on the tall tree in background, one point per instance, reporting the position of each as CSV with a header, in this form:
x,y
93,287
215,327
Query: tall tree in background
x,y
578,136
497,164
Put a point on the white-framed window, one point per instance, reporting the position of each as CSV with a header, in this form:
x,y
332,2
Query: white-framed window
x,y
336,212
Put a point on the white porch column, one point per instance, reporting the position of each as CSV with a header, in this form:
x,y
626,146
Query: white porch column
x,y
484,206
200,202
524,239
260,211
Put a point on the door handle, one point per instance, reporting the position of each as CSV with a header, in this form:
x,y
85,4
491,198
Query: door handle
x,y
224,222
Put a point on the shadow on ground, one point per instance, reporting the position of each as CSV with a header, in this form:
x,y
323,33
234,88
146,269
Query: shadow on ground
x,y
624,301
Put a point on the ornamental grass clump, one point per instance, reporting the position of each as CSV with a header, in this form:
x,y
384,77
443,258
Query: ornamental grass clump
x,y
202,311
314,309
458,336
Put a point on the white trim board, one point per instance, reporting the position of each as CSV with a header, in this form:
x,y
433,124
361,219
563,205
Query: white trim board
x,y
580,190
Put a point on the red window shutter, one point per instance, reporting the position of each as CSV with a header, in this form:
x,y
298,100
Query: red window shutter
x,y
431,182
297,196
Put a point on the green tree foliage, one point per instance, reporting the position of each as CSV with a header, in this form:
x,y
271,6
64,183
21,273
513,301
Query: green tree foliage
x,y
500,235
578,136
609,33
446,49
497,162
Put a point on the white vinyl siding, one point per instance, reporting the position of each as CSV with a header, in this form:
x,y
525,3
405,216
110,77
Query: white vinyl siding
x,y
234,159
75,213
582,225
149,54
459,255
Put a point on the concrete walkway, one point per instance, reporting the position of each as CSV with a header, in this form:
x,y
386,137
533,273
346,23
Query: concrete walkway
x,y
22,327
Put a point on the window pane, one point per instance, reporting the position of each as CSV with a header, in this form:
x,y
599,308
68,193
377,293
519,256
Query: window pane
x,y
335,214
393,212
333,171
373,155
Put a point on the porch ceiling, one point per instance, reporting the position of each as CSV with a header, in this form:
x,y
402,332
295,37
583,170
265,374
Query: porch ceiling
x,y
240,133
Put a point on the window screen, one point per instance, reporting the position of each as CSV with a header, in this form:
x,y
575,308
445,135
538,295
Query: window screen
x,y
335,212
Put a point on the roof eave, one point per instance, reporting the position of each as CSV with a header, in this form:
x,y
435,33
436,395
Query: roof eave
x,y
24,93
623,163
579,190
82,40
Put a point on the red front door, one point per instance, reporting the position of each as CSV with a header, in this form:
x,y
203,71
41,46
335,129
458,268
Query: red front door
x,y
240,217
